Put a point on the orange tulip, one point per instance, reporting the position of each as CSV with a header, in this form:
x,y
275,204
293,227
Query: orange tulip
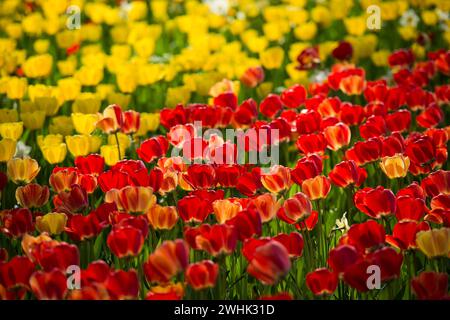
x,y
132,198
22,170
277,179
162,217
317,187
225,209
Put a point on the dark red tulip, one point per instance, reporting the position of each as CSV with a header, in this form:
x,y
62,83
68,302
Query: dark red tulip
x,y
343,51
247,223
16,272
17,222
430,285
342,257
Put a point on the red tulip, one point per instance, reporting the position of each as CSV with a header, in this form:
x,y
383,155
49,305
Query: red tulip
x,y
126,241
365,151
306,168
202,274
374,126
170,117
430,117
131,122
49,285
249,182
90,164
294,96
388,260
308,121
351,114
347,173
376,203
16,272
436,183
392,145
193,208
201,176
112,179
293,242
404,234
414,190
216,239
329,107
376,91
71,201
311,143
295,209
170,258
270,262
228,175
60,255
430,285
322,281
122,285
152,148
410,209
226,100
399,120
80,227
401,58
271,105
245,113
366,235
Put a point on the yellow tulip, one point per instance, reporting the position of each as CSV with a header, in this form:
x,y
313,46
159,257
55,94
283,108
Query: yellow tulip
x,y
52,223
61,125
84,123
7,149
38,66
70,88
355,26
22,170
86,102
124,140
89,76
48,140
111,154
272,58
8,115
123,100
11,130
41,46
16,88
306,31
47,104
67,67
395,166
78,145
94,143
434,243
33,120
55,153
149,122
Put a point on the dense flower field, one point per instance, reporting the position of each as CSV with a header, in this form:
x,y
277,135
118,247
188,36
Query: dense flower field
x,y
119,178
